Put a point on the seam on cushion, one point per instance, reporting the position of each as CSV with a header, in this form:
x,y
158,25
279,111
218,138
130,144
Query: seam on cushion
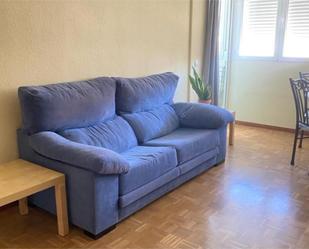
x,y
215,148
215,151
184,113
148,110
96,124
172,146
199,154
147,184
136,132
156,177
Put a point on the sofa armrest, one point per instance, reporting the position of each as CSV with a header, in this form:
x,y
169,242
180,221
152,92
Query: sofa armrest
x,y
96,159
202,116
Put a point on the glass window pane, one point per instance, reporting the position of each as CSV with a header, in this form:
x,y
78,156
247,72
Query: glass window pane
x,y
258,32
296,43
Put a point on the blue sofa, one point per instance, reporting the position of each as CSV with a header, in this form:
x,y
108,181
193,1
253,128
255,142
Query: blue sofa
x,y
121,142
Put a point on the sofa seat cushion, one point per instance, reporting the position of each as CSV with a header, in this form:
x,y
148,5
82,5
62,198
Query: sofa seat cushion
x,y
189,143
152,124
115,134
146,164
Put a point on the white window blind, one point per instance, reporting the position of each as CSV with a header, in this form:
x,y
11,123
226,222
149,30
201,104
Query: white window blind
x,y
258,32
296,43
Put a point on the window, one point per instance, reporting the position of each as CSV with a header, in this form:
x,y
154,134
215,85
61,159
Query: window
x,y
259,28
296,43
273,28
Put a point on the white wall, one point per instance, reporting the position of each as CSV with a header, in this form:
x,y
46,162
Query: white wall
x,y
260,91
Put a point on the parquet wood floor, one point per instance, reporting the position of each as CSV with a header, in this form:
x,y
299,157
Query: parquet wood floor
x,y
254,200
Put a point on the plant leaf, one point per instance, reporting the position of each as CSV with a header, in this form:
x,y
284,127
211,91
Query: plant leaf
x,y
202,89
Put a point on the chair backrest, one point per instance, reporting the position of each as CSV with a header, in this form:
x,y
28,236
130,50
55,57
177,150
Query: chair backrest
x,y
300,89
304,76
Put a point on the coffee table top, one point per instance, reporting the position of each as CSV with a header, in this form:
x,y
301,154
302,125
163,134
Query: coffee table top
x,y
20,178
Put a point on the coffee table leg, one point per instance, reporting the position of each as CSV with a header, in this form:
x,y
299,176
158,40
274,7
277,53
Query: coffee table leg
x,y
23,206
61,205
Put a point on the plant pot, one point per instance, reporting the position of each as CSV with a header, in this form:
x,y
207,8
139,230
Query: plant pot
x,y
205,101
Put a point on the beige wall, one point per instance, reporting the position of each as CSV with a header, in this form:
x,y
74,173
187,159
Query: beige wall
x,y
260,91
54,41
197,38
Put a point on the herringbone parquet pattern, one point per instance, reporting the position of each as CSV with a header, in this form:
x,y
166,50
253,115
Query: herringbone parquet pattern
x,y
254,200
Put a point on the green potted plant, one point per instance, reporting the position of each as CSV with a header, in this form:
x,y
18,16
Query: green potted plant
x,y
202,90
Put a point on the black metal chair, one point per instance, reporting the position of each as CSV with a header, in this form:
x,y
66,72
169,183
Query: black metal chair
x,y
304,76
300,89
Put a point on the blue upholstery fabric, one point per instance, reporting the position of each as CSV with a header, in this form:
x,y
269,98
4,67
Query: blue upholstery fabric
x,y
142,202
90,206
147,188
202,116
222,144
115,134
145,165
145,93
154,123
68,105
188,143
189,165
96,159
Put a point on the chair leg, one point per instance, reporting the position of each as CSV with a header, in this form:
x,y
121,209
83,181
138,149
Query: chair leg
x,y
294,146
301,139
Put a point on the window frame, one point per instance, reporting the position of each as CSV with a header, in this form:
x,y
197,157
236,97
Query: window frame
x,y
282,15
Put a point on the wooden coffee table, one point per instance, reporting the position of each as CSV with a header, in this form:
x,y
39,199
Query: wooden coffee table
x,y
19,179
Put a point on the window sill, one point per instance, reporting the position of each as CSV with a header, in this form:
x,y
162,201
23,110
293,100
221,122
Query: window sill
x,y
271,59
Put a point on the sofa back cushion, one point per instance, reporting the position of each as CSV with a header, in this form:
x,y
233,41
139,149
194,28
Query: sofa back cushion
x,y
61,106
145,93
154,123
115,134
145,103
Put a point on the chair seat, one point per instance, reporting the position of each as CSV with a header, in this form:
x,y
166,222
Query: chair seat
x,y
145,165
189,143
303,127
